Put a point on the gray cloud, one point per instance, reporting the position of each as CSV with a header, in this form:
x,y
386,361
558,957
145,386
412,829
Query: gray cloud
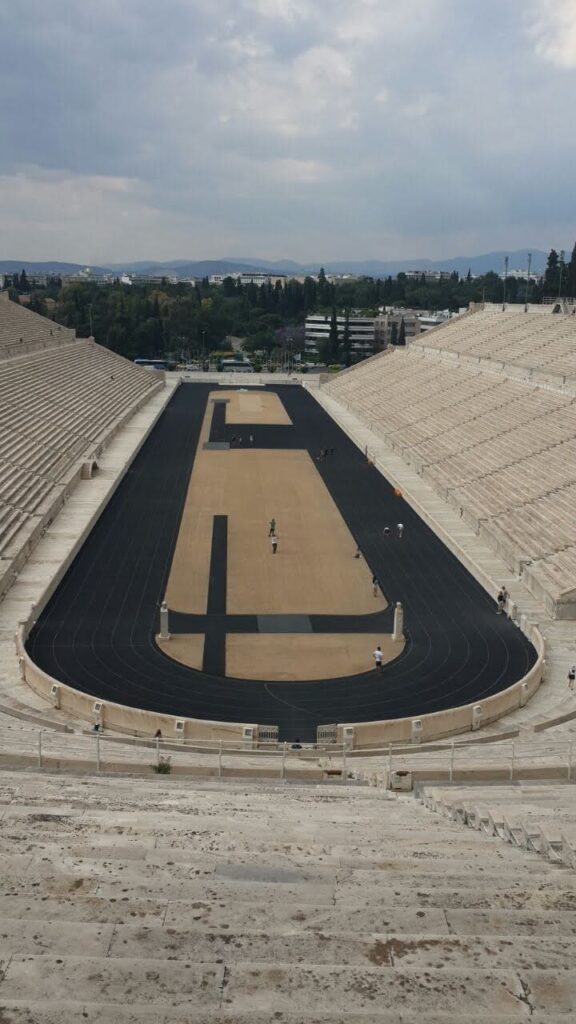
x,y
281,127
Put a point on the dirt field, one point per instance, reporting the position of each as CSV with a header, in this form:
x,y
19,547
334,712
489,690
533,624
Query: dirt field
x,y
288,656
313,572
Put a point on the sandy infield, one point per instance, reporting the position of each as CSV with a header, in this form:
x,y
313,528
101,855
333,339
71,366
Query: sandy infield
x,y
313,572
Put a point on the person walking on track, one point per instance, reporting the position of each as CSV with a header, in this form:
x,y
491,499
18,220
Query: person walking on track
x,y
400,528
377,655
571,677
274,542
272,529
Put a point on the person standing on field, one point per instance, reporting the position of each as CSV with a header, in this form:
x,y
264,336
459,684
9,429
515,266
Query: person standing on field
x,y
377,655
274,542
272,527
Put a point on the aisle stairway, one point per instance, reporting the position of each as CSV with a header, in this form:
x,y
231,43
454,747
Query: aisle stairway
x,y
153,900
535,816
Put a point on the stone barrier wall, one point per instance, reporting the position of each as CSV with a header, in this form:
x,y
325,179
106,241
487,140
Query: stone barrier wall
x,y
119,717
359,735
440,724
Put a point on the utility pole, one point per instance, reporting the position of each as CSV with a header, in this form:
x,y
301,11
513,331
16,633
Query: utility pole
x,y
527,283
505,280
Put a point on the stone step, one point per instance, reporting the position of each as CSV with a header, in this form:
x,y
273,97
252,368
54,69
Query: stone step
x,y
429,950
88,1013
166,873
314,862
283,829
408,950
280,918
445,891
155,791
254,987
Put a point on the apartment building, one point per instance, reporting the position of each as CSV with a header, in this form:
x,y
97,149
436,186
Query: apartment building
x,y
388,325
361,328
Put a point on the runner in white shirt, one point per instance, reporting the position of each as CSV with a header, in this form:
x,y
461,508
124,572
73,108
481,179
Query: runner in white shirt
x,y
377,655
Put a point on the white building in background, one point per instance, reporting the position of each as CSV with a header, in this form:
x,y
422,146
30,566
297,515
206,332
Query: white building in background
x,y
361,328
428,276
522,275
428,320
255,277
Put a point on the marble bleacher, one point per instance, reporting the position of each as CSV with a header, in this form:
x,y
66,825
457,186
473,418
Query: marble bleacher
x,y
537,340
497,443
162,900
61,399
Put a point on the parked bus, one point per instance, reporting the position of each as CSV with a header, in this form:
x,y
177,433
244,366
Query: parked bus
x,y
235,366
152,364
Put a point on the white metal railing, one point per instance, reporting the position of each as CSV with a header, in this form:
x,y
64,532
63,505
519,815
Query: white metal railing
x,y
98,753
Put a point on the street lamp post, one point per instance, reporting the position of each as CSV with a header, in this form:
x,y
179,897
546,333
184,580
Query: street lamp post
x,y
505,280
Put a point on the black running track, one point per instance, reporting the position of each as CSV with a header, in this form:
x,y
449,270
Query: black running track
x,y
97,632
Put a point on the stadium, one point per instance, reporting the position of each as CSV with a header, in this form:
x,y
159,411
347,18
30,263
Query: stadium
x,y
148,621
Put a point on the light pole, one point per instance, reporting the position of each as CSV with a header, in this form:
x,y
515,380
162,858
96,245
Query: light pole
x,y
90,319
527,283
505,280
203,347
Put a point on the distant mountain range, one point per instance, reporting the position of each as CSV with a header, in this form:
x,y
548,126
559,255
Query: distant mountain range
x,y
230,265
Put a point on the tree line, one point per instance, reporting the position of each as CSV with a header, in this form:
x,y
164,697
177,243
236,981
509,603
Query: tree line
x,y
192,320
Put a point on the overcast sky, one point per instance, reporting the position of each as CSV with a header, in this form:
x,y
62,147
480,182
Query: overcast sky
x,y
310,129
